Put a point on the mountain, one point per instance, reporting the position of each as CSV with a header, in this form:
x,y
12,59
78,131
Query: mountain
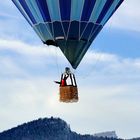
x,y
47,129
135,139
109,134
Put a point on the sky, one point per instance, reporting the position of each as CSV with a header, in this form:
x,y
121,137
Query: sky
x,y
108,77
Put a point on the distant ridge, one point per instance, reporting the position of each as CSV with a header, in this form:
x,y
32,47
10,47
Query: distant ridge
x,y
47,129
109,134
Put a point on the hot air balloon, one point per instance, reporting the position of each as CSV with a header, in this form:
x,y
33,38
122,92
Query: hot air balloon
x,y
71,25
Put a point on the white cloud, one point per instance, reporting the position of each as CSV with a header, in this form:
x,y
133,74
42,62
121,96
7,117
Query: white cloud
x,y
36,55
27,56
108,91
10,68
28,49
127,16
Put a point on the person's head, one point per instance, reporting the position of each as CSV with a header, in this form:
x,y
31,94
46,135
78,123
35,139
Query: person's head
x,y
67,70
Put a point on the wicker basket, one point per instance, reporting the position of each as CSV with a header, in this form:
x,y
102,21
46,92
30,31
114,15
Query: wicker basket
x,y
68,94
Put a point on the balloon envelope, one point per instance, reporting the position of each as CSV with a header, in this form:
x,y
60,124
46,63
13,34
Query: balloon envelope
x,y
72,25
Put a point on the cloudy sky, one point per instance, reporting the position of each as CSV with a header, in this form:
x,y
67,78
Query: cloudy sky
x,y
108,77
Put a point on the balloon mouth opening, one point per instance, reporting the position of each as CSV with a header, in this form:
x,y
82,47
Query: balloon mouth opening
x,y
51,42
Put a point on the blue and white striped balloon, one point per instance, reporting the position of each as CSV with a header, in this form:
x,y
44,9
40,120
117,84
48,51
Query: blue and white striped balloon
x,y
71,25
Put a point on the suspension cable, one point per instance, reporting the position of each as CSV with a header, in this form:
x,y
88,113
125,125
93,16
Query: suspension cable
x,y
101,54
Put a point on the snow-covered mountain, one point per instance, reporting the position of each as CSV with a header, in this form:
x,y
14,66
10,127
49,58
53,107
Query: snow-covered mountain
x,y
50,129
109,134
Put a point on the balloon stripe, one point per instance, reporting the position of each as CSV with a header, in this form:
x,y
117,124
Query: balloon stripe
x,y
87,10
76,9
65,8
23,12
32,5
104,11
54,9
97,10
43,7
27,10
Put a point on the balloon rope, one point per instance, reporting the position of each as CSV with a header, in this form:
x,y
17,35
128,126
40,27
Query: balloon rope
x,y
93,67
59,70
